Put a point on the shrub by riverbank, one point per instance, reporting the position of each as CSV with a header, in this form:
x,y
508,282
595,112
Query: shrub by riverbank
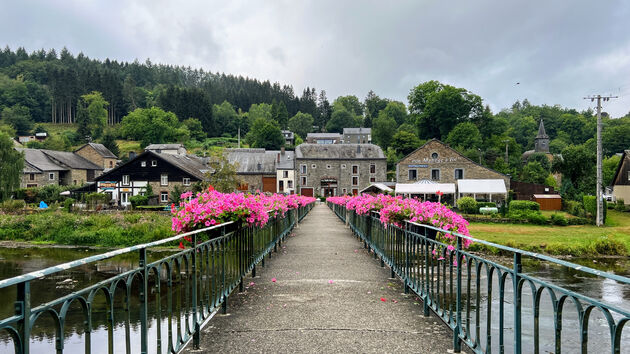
x,y
60,227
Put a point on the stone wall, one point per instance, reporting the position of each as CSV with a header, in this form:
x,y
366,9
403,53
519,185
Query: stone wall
x,y
341,171
40,179
436,155
91,155
253,182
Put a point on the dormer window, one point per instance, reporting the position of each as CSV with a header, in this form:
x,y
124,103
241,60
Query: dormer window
x,y
143,164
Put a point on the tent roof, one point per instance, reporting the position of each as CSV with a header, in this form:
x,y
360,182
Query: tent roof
x,y
379,186
425,188
481,186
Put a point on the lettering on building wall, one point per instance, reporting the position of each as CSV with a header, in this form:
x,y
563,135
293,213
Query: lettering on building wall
x,y
430,160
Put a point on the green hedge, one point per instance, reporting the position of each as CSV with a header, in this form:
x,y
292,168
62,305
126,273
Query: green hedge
x,y
524,205
486,204
468,205
590,206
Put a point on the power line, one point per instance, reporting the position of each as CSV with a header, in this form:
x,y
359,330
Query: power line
x,y
600,203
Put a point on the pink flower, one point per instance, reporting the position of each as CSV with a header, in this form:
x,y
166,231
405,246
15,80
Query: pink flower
x,y
273,280
330,281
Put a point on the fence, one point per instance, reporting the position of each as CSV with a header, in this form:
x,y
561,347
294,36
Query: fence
x,y
198,281
458,287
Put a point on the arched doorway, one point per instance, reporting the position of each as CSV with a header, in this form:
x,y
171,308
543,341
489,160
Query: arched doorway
x,y
328,186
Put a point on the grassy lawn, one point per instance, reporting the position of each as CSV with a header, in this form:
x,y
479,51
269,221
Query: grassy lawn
x,y
582,240
125,146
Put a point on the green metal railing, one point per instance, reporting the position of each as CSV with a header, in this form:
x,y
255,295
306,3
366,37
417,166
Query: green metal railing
x,y
458,287
198,281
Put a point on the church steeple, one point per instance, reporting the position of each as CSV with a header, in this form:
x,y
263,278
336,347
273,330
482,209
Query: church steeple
x,y
541,142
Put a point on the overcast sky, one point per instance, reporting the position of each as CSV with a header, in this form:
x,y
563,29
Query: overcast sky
x,y
559,51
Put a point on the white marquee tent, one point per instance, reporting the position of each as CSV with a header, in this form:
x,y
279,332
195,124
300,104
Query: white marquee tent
x,y
481,186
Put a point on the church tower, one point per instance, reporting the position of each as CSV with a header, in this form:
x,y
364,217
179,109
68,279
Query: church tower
x,y
541,142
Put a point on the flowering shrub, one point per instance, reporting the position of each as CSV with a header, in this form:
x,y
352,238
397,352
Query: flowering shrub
x,y
395,210
212,208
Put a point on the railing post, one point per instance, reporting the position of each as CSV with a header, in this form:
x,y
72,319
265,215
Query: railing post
x,y
196,329
225,297
23,309
518,268
457,344
143,302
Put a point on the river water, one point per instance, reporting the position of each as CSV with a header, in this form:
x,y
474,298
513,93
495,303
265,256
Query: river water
x,y
16,261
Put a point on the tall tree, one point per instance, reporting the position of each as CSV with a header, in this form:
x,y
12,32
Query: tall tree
x,y
341,118
265,133
373,104
383,129
280,114
324,111
11,165
91,115
301,124
18,117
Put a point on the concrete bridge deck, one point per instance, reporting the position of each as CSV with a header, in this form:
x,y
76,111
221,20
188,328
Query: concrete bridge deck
x,y
327,297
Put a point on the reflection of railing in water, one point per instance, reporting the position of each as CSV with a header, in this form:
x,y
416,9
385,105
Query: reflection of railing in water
x,y
198,280
459,297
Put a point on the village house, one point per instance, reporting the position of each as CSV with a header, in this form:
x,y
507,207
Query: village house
x,y
98,154
435,166
255,168
285,172
338,169
43,167
323,138
289,137
164,172
357,135
621,180
172,149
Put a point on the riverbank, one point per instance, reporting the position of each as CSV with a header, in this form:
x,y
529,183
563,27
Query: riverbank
x,y
578,241
101,229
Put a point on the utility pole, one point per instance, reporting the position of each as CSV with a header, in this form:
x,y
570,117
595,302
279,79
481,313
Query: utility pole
x,y
600,203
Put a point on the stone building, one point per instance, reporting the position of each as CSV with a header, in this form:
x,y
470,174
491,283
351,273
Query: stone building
x,y
323,138
289,137
437,162
98,154
357,135
255,168
338,169
541,144
43,167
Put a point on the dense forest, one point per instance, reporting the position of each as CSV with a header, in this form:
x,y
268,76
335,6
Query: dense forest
x,y
151,103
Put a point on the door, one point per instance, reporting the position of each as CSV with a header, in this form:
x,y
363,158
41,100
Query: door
x,y
269,184
308,192
124,198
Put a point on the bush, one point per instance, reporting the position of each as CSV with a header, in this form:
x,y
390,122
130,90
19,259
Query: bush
x,y
12,205
574,208
590,206
607,245
559,220
578,221
531,216
138,200
468,205
620,205
67,204
524,205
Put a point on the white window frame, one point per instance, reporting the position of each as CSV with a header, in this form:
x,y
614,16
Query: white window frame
x,y
305,179
163,180
372,165
143,164
153,163
313,166
343,165
51,176
372,179
328,167
289,184
303,169
439,174
162,199
125,180
353,179
358,171
455,173
186,181
285,174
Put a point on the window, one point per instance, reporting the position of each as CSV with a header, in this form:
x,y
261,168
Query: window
x,y
75,182
303,169
280,186
313,165
125,180
344,191
355,181
31,177
111,164
355,169
434,155
459,173
372,168
413,175
186,181
303,180
328,167
31,185
343,165
153,163
435,175
164,180
372,179
289,184
164,197
285,174
51,176
143,164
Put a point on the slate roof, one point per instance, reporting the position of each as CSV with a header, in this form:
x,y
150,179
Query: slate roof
x,y
324,135
252,161
287,160
193,165
164,147
357,131
37,159
338,151
71,160
28,168
100,149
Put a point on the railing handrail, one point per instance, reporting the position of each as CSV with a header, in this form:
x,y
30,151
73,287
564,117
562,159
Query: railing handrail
x,y
99,257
